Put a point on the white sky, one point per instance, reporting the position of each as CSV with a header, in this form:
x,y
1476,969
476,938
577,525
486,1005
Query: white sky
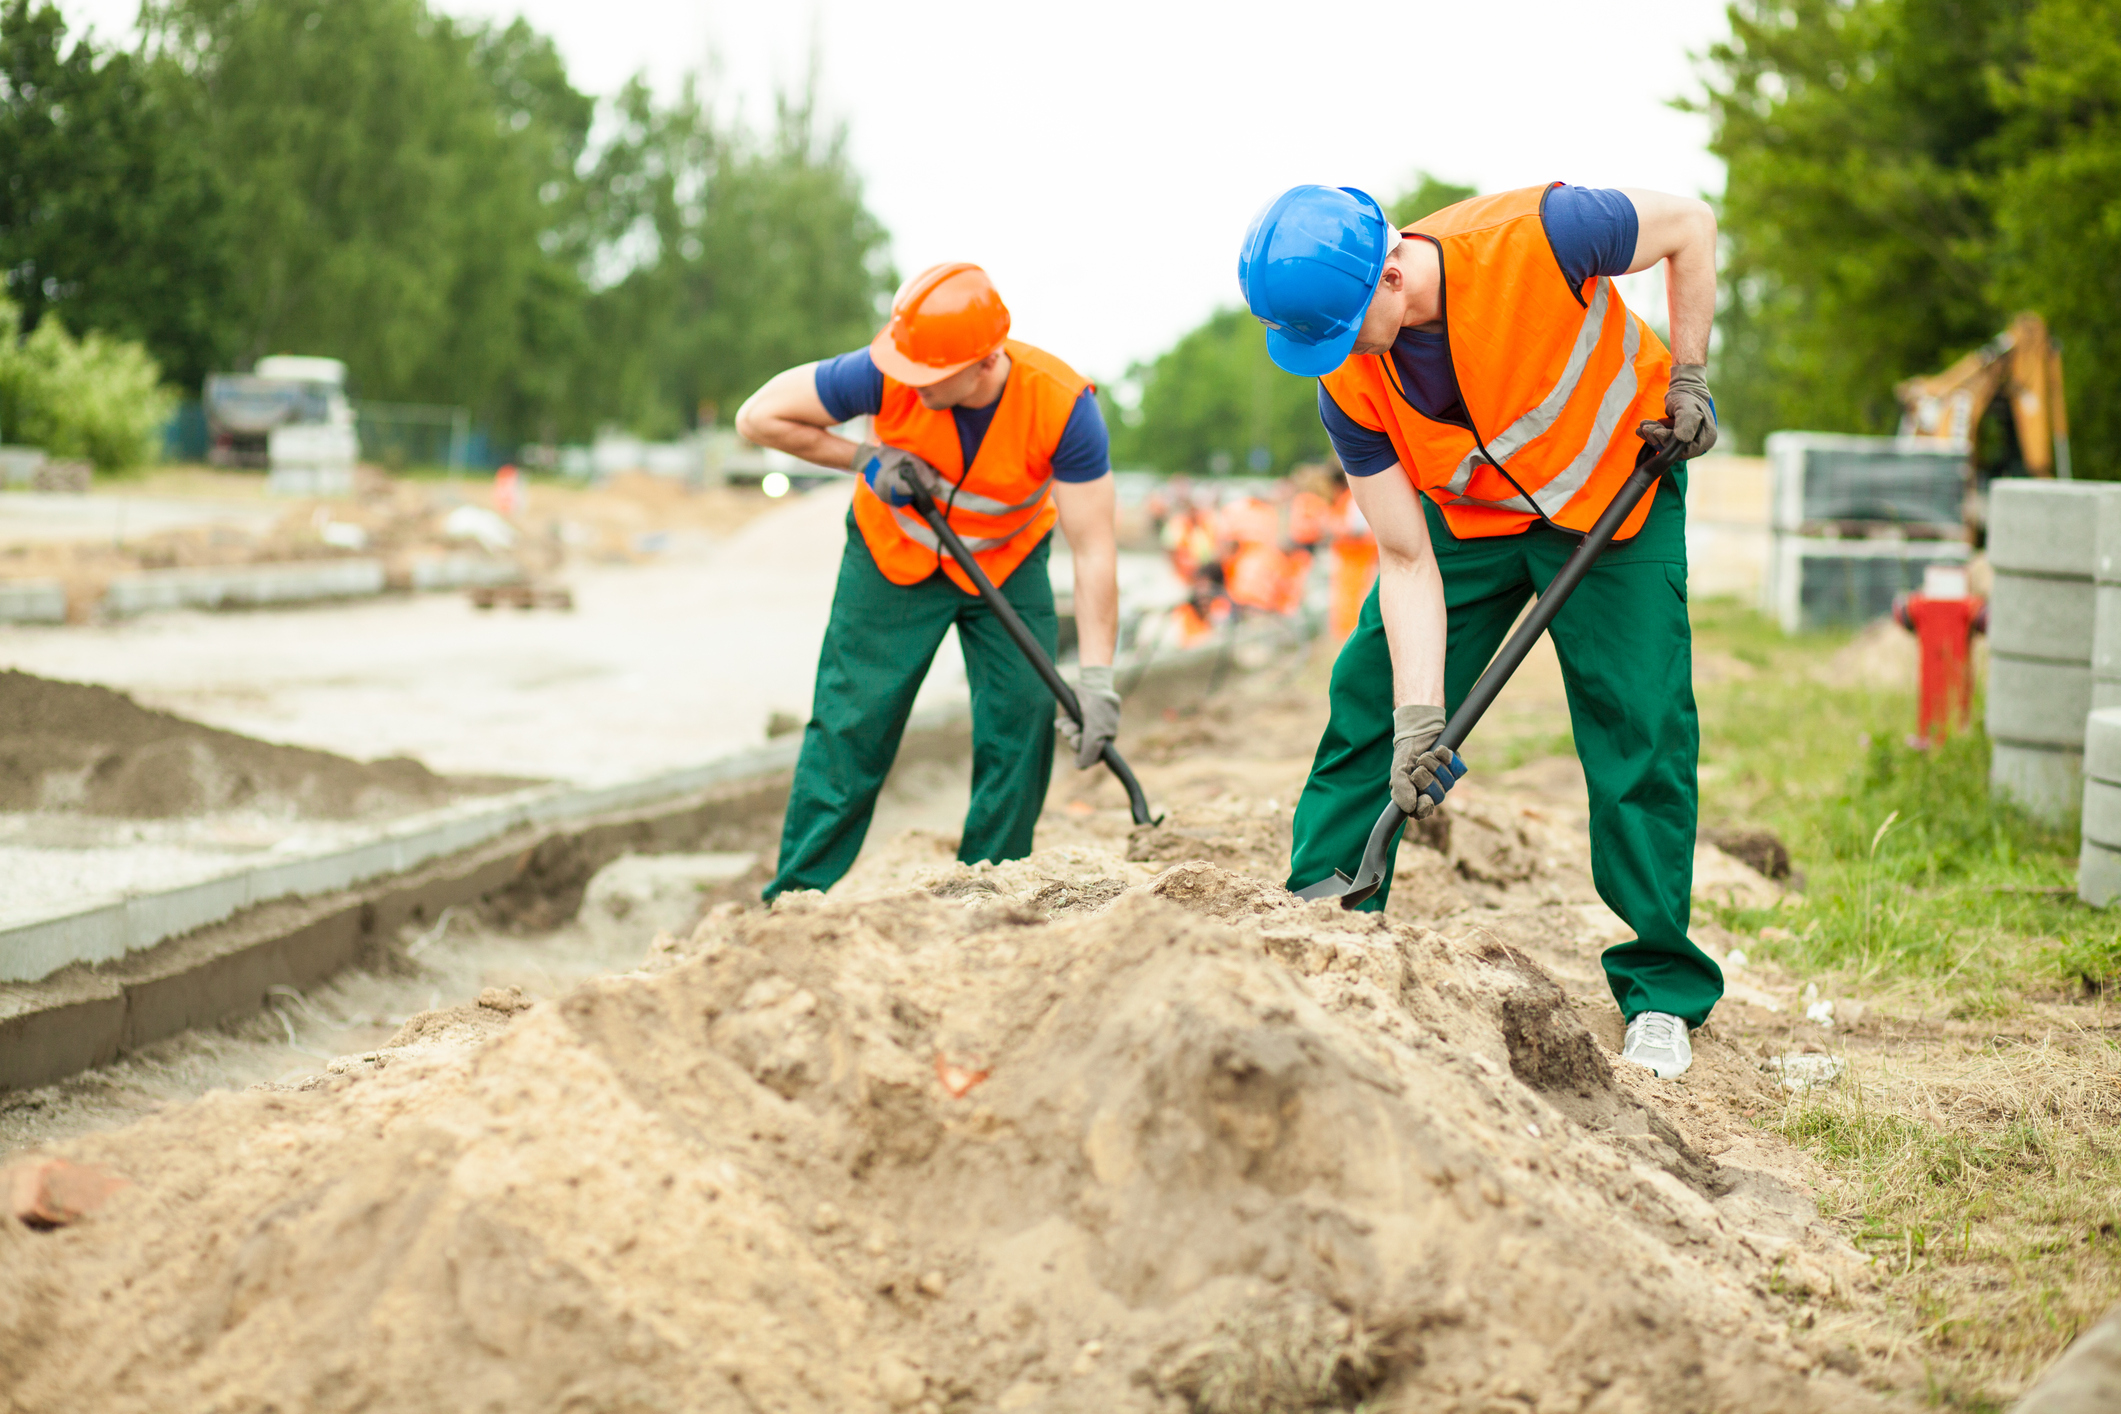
x,y
1102,158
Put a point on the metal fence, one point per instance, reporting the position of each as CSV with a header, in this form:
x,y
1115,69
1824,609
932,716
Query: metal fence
x,y
400,435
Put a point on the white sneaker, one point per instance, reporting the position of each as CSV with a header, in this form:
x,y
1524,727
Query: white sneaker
x,y
1657,1039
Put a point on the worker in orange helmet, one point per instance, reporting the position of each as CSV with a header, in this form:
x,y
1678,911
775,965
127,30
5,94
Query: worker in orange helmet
x,y
1009,441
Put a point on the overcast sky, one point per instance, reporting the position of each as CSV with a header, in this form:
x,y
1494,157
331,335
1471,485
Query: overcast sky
x,y
1101,158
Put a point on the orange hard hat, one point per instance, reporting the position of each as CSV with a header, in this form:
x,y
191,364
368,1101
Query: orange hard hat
x,y
943,320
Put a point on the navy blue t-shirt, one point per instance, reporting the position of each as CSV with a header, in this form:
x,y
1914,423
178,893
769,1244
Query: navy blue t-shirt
x,y
1593,231
851,385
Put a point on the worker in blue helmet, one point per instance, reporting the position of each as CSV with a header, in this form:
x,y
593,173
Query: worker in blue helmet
x,y
1488,392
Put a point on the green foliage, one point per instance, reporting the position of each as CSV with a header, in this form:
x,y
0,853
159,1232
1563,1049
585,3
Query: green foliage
x,y
95,397
1430,194
421,197
1903,176
107,210
1216,403
762,257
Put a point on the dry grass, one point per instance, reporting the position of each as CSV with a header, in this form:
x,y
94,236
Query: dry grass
x,y
1983,1176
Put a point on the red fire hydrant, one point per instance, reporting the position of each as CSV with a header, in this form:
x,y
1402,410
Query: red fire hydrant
x,y
1944,618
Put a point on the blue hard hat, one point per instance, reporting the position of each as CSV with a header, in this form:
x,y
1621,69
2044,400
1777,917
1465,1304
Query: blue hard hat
x,y
1311,260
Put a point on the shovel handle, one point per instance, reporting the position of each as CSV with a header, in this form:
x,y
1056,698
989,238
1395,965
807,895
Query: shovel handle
x,y
1371,876
1033,651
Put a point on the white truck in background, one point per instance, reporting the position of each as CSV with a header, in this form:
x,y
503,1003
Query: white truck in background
x,y
290,415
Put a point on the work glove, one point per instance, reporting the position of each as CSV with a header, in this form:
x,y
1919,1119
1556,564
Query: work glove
x,y
1693,415
890,471
1418,763
1099,699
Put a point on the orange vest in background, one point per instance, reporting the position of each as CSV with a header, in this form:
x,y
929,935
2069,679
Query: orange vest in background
x,y
1554,378
1002,507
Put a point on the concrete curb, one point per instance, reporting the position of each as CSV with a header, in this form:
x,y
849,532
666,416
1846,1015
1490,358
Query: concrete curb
x,y
31,951
243,585
32,601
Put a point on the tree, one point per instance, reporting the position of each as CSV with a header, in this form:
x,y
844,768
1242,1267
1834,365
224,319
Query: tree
x,y
1903,176
1429,194
108,214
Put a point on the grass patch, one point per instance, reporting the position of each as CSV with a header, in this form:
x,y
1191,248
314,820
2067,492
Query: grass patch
x,y
1984,1182
1912,873
1980,1168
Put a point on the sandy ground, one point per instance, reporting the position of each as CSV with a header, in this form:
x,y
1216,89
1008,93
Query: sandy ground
x,y
1118,1127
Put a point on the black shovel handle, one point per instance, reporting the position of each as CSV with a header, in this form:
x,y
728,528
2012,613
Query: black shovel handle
x,y
1030,647
1371,876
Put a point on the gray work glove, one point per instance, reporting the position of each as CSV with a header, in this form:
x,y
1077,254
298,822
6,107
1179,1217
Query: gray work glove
x,y
1418,763
890,471
1693,416
1099,700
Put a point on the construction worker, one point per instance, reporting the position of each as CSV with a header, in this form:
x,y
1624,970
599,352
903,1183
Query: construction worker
x,y
1483,385
1009,441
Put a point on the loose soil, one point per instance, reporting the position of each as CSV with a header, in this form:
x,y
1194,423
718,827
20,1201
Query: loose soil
x,y
1122,1126
76,748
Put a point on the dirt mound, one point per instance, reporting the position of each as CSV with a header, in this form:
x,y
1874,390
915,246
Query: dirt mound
x,y
1069,1133
77,747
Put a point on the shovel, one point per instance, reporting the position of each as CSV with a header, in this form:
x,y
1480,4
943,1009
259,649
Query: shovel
x,y
1371,874
1029,646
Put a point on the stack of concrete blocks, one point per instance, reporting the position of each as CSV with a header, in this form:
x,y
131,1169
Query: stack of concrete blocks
x,y
2099,857
2043,547
1855,522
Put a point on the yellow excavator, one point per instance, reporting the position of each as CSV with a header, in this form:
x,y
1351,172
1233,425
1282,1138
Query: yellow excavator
x,y
2025,365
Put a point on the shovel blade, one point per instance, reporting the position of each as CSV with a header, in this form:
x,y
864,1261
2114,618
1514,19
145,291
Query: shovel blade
x,y
1334,887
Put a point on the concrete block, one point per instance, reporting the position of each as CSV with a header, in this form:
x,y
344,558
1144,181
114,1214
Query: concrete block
x,y
2107,569
2031,616
2102,744
2045,527
2098,874
2047,782
463,572
242,586
2106,631
32,601
2102,812
2037,703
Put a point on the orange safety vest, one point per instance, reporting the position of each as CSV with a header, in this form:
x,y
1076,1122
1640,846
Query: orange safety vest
x,y
1554,378
1001,507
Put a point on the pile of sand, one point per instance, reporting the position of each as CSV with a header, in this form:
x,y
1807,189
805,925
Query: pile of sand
x,y
1077,1132
80,748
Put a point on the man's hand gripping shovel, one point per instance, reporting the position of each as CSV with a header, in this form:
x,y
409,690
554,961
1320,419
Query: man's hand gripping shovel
x,y
1032,651
1371,874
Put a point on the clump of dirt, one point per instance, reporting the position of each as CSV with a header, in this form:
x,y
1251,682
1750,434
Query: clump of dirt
x,y
76,747
1073,1132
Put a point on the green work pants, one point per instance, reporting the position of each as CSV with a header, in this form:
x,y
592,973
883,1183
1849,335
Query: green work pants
x,y
878,645
1627,659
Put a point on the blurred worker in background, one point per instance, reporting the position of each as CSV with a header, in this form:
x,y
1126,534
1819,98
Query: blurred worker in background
x,y
1483,385
1009,442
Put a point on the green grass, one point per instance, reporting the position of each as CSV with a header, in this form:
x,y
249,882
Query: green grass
x,y
1912,872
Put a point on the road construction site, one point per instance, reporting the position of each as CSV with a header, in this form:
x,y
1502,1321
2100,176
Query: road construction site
x,y
1121,1125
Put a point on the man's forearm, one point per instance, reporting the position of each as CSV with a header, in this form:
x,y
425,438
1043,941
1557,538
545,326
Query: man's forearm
x,y
816,445
1690,285
1096,604
1410,600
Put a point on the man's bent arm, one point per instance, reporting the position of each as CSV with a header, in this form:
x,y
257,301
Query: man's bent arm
x,y
1409,586
788,415
1683,231
1087,509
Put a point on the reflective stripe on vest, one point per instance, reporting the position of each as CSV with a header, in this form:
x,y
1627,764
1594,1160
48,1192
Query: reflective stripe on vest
x,y
910,522
1611,408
